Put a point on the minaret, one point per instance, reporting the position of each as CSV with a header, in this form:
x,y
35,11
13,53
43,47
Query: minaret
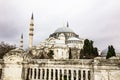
x,y
31,32
21,42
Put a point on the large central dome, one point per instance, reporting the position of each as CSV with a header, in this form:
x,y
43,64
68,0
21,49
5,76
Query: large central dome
x,y
64,29
68,33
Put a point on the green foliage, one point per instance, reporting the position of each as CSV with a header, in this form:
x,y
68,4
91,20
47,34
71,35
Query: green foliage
x,y
88,51
42,55
95,51
111,52
4,48
50,54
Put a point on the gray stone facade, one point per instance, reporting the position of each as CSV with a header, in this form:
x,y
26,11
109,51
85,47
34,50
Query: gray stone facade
x,y
66,69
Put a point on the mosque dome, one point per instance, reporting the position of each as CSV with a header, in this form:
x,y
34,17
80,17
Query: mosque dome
x,y
104,52
64,29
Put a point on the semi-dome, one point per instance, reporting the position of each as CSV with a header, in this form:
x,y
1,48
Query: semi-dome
x,y
64,29
104,52
16,51
73,38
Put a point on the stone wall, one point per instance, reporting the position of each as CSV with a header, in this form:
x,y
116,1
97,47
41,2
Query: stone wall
x,y
106,69
51,69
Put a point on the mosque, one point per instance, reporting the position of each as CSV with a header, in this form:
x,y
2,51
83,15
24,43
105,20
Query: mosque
x,y
50,60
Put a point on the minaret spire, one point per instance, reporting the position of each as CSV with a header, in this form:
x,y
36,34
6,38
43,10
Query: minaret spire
x,y
31,31
21,41
32,16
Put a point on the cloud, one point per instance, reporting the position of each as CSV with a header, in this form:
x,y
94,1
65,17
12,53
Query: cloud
x,y
94,19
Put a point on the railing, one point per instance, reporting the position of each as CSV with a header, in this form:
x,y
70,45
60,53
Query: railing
x,y
62,61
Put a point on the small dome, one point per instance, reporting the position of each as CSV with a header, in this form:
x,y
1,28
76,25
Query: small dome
x,y
73,38
104,52
64,29
17,50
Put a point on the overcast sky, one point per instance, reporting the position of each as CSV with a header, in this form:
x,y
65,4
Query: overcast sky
x,y
98,20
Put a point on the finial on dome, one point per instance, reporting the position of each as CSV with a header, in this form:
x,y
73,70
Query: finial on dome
x,y
67,24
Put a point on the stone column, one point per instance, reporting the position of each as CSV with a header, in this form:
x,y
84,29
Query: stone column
x,y
72,75
29,73
54,74
23,74
33,73
58,75
86,75
49,74
45,74
91,75
77,75
41,73
67,74
62,74
81,74
36,73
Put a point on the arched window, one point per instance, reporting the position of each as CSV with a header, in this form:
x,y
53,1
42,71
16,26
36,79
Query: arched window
x,y
43,74
84,75
28,73
51,73
38,73
31,73
69,72
56,74
60,74
79,75
47,74
35,73
89,75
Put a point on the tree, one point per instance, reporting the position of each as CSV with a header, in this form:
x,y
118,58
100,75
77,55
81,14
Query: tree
x,y
4,48
111,52
88,51
50,54
95,51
